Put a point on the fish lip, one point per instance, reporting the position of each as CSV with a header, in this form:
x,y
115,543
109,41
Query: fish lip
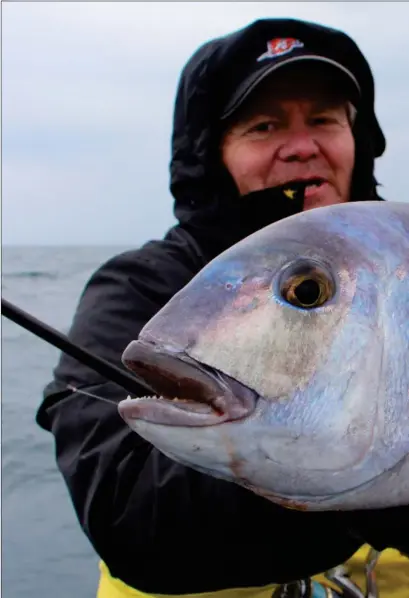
x,y
171,373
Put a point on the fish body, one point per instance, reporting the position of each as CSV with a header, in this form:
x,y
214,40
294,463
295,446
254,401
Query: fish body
x,y
283,364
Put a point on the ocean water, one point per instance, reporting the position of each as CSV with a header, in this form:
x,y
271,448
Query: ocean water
x,y
44,551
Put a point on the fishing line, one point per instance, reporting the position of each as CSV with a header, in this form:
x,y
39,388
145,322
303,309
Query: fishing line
x,y
91,395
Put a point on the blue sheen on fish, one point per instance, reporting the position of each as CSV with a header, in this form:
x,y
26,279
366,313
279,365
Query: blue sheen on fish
x,y
283,365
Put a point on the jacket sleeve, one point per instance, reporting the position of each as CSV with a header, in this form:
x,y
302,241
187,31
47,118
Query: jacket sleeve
x,y
104,464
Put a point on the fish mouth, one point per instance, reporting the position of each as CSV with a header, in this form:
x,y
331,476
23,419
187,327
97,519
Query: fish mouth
x,y
188,393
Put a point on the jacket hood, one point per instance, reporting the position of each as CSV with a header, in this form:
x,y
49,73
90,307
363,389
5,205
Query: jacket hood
x,y
205,196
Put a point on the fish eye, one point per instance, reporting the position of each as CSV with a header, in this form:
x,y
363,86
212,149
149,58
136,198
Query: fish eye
x,y
307,286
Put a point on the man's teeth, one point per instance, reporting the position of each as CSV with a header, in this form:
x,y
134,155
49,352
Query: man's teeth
x,y
314,184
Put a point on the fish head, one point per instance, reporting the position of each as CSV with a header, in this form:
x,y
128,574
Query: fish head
x,y
283,364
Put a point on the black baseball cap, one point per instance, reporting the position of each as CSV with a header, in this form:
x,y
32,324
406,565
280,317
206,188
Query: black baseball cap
x,y
269,45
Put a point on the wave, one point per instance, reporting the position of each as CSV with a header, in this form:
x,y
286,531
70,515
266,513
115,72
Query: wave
x,y
30,274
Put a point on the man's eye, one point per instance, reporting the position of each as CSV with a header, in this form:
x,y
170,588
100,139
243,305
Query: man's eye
x,y
263,127
323,120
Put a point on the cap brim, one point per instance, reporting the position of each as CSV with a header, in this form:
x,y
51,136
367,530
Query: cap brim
x,y
251,82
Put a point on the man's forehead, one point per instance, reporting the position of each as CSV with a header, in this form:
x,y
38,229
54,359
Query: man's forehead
x,y
280,104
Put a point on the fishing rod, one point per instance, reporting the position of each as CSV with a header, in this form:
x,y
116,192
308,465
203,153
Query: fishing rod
x,y
129,382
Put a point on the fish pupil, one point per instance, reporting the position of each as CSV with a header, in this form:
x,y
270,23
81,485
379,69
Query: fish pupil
x,y
308,292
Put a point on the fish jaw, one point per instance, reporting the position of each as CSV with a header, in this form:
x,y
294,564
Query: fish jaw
x,y
218,451
188,393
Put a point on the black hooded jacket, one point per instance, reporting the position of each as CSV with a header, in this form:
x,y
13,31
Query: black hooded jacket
x,y
161,527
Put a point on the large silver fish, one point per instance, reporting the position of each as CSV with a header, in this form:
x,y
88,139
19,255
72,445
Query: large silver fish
x,y
288,357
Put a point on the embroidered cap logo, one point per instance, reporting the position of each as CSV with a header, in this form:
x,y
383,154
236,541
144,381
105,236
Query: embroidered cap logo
x,y
279,46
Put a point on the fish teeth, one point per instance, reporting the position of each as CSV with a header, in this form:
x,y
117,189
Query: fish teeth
x,y
175,399
129,398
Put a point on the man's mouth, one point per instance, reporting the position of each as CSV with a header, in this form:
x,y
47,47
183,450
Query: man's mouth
x,y
309,183
313,188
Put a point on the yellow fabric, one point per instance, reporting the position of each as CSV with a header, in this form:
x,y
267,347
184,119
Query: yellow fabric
x,y
392,574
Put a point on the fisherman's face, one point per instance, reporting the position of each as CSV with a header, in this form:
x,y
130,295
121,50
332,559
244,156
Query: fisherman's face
x,y
295,126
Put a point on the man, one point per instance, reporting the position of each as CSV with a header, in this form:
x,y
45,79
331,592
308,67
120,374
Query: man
x,y
278,102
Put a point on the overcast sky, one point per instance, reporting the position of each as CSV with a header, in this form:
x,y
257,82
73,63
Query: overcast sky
x,y
88,91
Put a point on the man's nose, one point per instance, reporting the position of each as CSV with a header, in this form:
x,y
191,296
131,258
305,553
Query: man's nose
x,y
299,145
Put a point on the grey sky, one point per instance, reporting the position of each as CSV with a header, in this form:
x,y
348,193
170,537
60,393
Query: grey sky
x,y
88,91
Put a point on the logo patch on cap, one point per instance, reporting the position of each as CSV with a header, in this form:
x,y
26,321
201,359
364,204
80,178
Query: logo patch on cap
x,y
279,46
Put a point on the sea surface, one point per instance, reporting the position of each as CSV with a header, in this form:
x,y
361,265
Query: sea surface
x,y
44,551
